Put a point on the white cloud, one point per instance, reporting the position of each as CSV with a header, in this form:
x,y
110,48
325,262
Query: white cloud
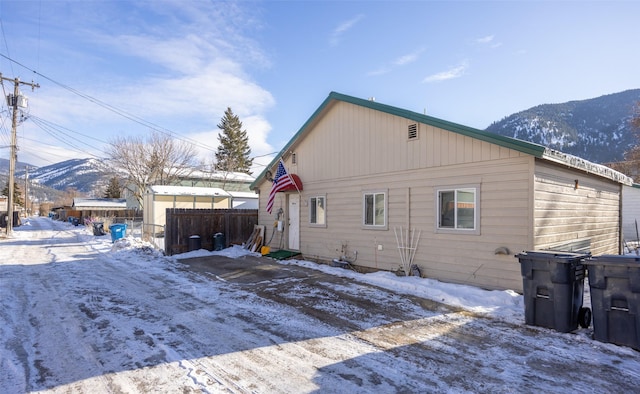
x,y
339,31
408,58
398,62
485,40
379,71
489,40
454,72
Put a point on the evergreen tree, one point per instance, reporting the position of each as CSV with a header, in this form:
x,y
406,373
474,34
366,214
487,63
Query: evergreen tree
x,y
113,189
233,151
17,199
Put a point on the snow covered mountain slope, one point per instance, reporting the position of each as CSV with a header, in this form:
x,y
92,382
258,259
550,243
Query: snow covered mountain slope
x,y
84,175
597,129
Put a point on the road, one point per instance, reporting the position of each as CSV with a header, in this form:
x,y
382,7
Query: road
x,y
78,315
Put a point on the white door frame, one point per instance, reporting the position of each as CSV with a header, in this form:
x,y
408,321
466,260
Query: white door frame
x,y
293,227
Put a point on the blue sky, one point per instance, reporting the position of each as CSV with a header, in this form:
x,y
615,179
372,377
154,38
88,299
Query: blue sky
x,y
122,68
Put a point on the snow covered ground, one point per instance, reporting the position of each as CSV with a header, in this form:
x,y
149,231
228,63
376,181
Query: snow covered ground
x,y
80,314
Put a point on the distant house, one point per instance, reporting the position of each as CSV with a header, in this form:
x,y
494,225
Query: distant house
x,y
244,200
475,198
97,207
631,213
227,181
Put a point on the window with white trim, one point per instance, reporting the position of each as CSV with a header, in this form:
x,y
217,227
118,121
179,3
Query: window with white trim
x,y
318,210
458,210
374,209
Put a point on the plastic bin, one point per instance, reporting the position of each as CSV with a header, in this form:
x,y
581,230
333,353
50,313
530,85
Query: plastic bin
x,y
614,282
98,228
195,243
553,284
118,231
75,221
219,241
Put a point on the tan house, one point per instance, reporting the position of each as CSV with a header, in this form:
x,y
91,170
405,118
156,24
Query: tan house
x,y
369,170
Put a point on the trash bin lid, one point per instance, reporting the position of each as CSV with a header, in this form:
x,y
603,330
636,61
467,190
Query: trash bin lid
x,y
194,236
615,259
554,254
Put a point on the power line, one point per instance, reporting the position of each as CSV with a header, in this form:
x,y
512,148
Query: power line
x,y
50,126
114,109
59,134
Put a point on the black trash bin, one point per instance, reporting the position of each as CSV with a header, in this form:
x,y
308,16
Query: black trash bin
x,y
98,228
553,284
614,282
75,221
219,241
195,243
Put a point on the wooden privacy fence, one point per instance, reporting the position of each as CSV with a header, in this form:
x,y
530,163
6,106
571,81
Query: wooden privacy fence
x,y
236,225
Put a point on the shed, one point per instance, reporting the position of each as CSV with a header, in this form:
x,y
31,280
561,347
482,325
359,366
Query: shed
x,y
476,198
158,198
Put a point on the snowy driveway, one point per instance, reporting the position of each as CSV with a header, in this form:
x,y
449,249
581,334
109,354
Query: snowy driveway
x,y
77,316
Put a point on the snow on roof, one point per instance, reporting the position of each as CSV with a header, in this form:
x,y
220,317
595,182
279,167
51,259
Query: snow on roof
x,y
585,165
222,175
110,203
244,194
187,191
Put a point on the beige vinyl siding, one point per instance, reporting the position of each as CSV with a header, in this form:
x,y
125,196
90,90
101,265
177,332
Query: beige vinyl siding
x,y
451,257
565,214
352,141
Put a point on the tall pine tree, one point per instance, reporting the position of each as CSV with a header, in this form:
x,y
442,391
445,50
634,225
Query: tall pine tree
x,y
233,151
113,188
17,199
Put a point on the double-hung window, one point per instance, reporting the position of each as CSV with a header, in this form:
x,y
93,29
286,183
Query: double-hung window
x,y
374,213
458,210
318,211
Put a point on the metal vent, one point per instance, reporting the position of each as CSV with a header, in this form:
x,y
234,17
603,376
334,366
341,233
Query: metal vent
x,y
413,131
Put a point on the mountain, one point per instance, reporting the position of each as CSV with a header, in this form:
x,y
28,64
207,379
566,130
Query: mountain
x,y
87,176
596,129
4,166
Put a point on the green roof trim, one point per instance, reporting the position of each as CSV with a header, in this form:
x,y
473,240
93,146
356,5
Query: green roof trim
x,y
507,142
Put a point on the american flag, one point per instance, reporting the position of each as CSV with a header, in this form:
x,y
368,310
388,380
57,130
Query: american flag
x,y
281,181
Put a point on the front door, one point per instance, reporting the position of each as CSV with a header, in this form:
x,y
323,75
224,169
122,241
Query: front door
x,y
294,221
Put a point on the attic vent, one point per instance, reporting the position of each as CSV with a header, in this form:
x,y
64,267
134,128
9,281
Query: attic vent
x,y
413,131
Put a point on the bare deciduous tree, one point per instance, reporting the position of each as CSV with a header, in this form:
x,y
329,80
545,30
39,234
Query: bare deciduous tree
x,y
630,166
155,160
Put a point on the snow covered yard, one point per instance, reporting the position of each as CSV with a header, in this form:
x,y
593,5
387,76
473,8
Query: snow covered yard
x,y
80,314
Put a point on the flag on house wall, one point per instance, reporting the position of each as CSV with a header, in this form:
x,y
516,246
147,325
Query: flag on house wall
x,y
281,181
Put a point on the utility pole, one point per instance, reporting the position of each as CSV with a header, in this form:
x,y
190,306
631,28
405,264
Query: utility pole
x,y
15,101
26,189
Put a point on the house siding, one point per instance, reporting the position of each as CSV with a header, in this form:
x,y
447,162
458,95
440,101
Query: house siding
x,y
565,214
